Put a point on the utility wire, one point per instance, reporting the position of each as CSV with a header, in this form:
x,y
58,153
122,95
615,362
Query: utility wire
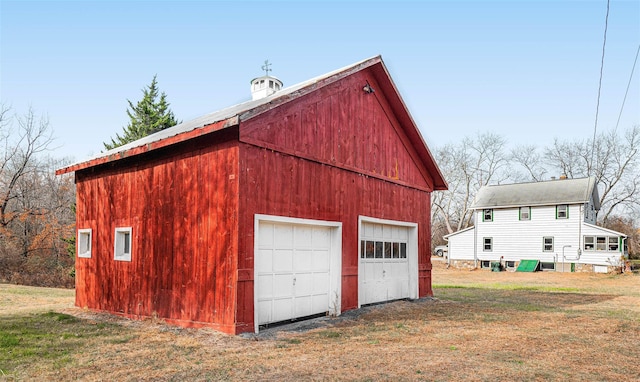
x,y
595,126
628,85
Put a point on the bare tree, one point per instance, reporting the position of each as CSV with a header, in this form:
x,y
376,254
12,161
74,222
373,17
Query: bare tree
x,y
467,166
616,166
527,157
35,205
19,157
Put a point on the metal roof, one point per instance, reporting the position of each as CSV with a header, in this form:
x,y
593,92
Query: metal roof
x,y
563,191
234,115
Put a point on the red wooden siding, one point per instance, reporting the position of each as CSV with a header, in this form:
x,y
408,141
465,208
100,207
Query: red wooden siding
x,y
343,126
183,209
305,189
333,154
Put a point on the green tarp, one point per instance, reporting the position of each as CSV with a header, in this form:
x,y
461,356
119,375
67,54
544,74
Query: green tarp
x,y
528,266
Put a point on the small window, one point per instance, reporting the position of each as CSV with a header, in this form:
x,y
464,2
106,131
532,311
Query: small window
x,y
589,243
613,243
525,213
485,264
122,250
84,243
379,249
601,243
547,244
403,250
396,250
487,215
510,264
387,250
562,211
547,266
488,244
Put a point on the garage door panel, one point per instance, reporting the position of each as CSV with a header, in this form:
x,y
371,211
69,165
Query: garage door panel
x,y
282,310
304,284
265,232
320,259
303,260
283,236
320,283
264,311
264,260
321,238
283,260
302,237
282,285
265,286
303,306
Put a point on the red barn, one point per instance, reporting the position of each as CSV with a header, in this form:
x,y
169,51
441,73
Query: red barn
x,y
312,200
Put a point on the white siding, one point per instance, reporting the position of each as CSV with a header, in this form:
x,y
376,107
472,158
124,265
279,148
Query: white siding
x,y
515,239
600,257
461,245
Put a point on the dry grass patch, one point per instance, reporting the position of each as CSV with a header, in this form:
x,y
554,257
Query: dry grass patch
x,y
482,326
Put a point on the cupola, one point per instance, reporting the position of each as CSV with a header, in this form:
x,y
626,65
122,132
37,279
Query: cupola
x,y
266,85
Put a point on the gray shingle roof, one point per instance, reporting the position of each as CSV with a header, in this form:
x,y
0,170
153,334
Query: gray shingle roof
x,y
563,191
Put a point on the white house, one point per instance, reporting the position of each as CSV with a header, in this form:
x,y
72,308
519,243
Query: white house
x,y
552,222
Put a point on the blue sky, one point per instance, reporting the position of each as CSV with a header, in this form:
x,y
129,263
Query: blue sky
x,y
527,70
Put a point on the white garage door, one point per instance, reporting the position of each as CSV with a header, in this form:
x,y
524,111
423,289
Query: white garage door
x,y
293,271
384,263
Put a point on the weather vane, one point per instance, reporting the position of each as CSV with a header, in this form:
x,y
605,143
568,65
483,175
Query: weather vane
x,y
265,67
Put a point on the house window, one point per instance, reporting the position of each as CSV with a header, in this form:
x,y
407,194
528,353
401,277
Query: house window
x,y
510,264
547,244
547,266
525,213
487,244
487,215
562,211
601,243
613,243
485,264
84,243
122,250
589,243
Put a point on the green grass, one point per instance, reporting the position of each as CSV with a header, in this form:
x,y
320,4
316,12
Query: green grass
x,y
45,338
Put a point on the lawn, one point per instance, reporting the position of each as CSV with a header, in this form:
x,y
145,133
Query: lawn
x,y
482,326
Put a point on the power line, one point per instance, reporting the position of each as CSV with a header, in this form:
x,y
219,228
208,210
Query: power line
x,y
628,85
595,126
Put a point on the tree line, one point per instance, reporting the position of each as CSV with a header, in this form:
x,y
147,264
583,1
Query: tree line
x,y
37,208
486,158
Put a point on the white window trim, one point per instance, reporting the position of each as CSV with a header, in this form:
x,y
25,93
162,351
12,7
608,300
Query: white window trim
x,y
484,243
85,254
118,244
544,243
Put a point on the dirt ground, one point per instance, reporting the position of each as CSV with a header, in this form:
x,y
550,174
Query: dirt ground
x,y
481,326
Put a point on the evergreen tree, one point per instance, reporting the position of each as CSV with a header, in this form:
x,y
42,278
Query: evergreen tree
x,y
150,115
